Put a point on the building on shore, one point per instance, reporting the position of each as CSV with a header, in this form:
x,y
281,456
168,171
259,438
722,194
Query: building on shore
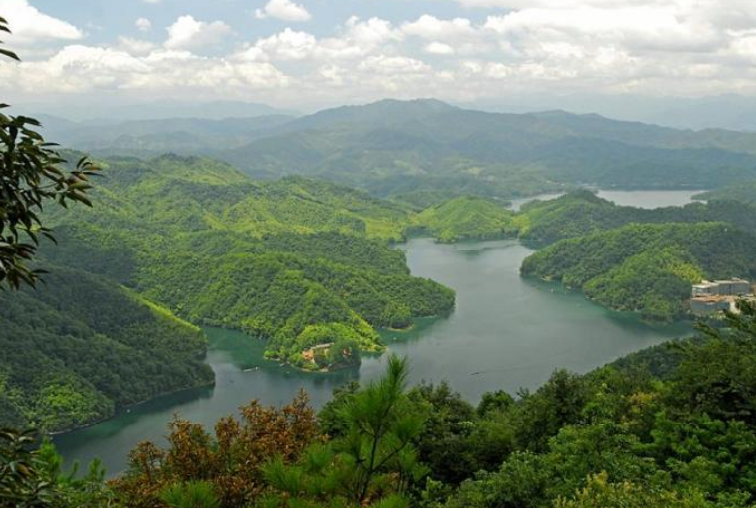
x,y
704,305
712,297
731,287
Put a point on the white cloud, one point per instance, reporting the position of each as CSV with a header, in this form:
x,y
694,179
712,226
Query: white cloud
x,y
658,47
430,27
188,33
30,26
143,24
392,65
285,10
288,45
371,32
438,48
357,39
160,72
135,46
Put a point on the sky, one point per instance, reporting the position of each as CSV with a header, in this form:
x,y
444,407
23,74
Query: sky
x,y
310,53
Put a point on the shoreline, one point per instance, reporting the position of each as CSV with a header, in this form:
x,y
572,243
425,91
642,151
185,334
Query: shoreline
x,y
127,409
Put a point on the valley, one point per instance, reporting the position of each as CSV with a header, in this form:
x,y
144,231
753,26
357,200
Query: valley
x,y
305,265
495,339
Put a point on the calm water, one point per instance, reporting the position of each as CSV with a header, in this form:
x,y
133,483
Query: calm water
x,y
650,199
506,332
639,199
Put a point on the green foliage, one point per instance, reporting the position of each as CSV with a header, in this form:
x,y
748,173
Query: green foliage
x,y
197,494
742,192
372,462
466,218
31,476
380,428
31,175
616,437
23,482
445,444
302,264
420,149
599,493
647,268
581,213
78,347
727,388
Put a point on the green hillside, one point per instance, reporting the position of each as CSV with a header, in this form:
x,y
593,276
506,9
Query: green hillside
x,y
647,268
395,148
744,192
297,262
582,212
79,347
466,218
425,148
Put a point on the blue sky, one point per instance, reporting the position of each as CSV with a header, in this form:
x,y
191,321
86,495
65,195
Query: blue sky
x,y
118,17
310,53
104,22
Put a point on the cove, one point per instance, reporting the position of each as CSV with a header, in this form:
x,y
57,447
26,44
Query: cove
x,y
506,333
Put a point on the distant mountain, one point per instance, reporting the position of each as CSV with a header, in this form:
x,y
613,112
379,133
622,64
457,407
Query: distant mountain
x,y
154,137
393,147
381,113
108,113
731,111
421,149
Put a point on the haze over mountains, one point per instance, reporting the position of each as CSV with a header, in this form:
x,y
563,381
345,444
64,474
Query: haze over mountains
x,y
729,111
395,147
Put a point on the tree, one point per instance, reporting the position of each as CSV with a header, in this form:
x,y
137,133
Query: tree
x,y
381,427
373,463
23,481
230,460
31,175
600,493
718,377
190,495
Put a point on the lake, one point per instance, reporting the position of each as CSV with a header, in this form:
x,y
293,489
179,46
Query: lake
x,y
506,333
637,198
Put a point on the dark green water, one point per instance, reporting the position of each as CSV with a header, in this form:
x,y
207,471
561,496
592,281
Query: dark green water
x,y
506,333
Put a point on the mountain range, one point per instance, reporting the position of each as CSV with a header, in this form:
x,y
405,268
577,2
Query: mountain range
x,y
395,148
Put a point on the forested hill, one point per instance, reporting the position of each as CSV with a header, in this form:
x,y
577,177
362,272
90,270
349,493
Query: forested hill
x,y
466,217
637,259
582,212
80,346
297,262
647,267
392,148
744,192
426,146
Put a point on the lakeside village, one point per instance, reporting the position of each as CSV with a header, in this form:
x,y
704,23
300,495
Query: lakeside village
x,y
712,297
